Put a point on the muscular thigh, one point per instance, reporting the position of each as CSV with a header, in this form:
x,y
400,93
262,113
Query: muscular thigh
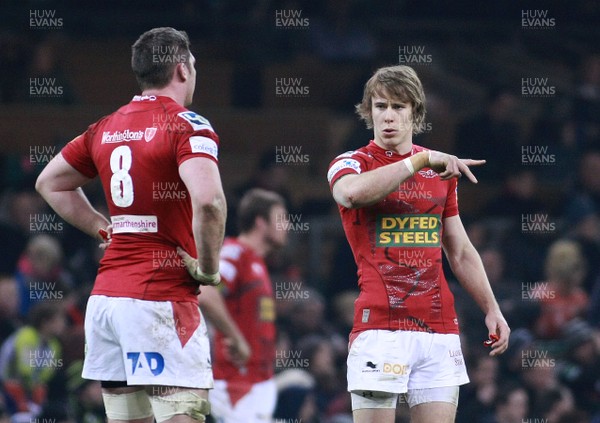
x,y
433,412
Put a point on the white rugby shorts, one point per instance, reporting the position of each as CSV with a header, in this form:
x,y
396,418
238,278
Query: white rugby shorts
x,y
256,406
146,343
398,361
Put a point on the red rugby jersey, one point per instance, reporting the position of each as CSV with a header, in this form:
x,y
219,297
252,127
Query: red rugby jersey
x,y
136,152
248,293
397,247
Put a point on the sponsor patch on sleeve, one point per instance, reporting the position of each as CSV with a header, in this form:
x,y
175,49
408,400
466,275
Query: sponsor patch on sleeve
x,y
204,145
343,164
196,121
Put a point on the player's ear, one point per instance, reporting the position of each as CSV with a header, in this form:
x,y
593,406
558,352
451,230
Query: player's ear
x,y
182,71
260,222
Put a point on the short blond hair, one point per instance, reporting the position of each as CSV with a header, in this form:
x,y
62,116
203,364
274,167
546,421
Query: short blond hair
x,y
565,261
399,82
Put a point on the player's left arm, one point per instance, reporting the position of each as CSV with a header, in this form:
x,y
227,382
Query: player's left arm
x,y
60,185
468,269
213,305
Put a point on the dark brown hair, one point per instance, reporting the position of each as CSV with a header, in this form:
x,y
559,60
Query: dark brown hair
x,y
155,55
256,203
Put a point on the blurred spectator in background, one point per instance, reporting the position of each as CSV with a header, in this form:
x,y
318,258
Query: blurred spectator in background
x,y
579,368
343,310
520,195
13,62
561,297
582,213
85,396
321,359
521,339
538,373
30,358
9,306
12,244
594,306
587,102
511,405
518,313
553,404
74,338
556,131
307,318
4,416
523,216
493,135
587,192
296,399
478,397
40,274
47,82
22,208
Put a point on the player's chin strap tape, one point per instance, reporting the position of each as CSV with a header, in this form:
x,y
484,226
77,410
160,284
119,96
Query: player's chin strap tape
x,y
183,402
130,406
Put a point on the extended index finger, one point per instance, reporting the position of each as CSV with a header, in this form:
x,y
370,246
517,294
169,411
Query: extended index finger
x,y
464,169
473,162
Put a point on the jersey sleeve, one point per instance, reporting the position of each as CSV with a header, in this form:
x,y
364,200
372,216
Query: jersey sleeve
x,y
78,154
199,141
345,164
451,207
229,268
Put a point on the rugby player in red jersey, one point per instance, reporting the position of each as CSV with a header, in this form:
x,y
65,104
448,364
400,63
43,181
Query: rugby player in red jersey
x,y
145,337
398,205
246,391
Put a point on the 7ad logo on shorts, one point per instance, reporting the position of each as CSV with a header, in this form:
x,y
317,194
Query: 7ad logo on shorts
x,y
153,361
415,230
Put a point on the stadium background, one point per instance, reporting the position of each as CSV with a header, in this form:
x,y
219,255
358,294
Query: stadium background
x,y
517,84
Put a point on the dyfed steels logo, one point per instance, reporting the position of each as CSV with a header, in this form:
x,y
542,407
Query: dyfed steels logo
x,y
415,230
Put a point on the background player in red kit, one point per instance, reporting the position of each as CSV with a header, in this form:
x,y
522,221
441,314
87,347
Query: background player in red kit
x,y
145,337
398,206
246,392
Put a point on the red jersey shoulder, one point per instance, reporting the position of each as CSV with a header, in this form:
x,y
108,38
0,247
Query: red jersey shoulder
x,y
238,264
202,137
78,151
229,264
191,121
348,162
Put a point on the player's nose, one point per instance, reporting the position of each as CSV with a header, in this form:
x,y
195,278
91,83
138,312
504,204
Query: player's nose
x,y
388,115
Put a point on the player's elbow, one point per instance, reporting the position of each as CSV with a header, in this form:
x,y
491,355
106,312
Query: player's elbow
x,y
210,203
346,196
42,185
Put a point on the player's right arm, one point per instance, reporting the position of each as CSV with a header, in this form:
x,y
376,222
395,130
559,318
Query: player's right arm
x,y
202,180
60,185
367,188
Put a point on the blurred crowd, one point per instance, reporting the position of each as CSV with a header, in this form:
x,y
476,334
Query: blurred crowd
x,y
534,218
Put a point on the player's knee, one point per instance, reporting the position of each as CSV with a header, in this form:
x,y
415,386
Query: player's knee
x,y
127,406
183,402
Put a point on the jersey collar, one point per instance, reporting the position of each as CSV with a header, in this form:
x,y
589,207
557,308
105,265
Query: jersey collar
x,y
376,150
